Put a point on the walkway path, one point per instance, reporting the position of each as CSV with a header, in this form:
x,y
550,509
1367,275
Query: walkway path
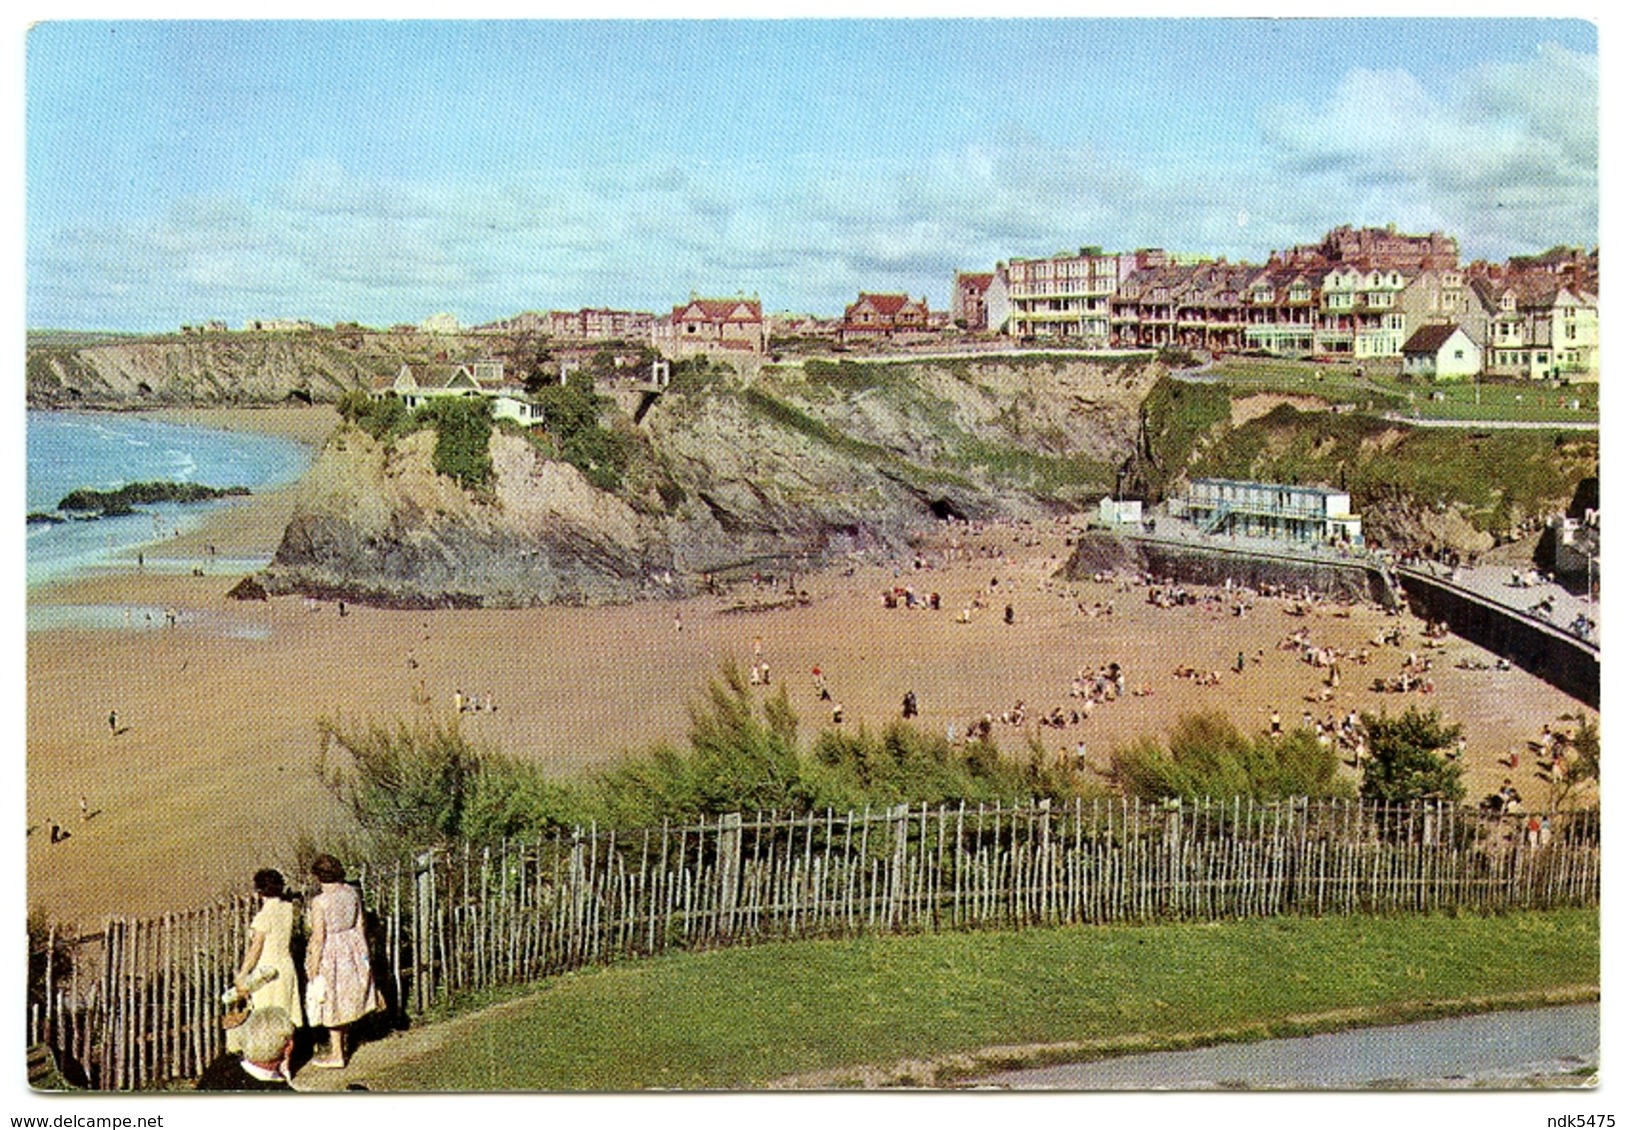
x,y
1504,1049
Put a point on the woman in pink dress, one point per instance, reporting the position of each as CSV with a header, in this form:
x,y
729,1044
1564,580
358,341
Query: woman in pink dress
x,y
340,989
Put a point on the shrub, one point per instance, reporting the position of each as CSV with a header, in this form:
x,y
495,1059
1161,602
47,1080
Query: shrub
x,y
1207,756
571,413
462,449
414,785
1406,762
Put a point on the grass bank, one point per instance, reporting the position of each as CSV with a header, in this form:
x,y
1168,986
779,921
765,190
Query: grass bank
x,y
847,1013
1380,387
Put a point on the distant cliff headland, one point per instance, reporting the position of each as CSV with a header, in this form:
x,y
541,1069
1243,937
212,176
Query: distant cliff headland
x,y
88,370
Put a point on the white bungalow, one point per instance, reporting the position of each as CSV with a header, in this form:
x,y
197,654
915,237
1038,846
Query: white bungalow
x,y
415,385
1443,353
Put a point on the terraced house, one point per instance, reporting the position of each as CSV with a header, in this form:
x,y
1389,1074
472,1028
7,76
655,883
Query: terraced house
x,y
1540,328
1280,309
1195,306
1359,312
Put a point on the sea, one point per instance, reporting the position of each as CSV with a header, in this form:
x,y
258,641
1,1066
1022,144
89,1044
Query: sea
x,y
69,450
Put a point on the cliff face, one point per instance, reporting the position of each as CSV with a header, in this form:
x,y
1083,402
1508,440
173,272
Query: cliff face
x,y
236,368
799,465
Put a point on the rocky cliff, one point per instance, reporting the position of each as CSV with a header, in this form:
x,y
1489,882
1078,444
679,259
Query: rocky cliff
x,y
81,371
798,465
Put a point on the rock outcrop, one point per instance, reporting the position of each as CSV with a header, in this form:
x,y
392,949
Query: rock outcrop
x,y
799,466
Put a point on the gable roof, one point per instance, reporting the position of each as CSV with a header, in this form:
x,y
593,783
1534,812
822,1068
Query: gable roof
x,y
1430,339
718,310
887,304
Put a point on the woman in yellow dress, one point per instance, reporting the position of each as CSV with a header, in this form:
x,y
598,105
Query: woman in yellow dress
x,y
267,975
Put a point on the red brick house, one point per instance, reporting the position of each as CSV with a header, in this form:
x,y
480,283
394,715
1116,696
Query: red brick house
x,y
969,304
713,325
885,316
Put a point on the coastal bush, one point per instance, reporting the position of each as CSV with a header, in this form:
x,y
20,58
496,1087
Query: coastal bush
x,y
414,785
1206,755
381,419
571,414
742,756
462,449
1177,416
905,764
1407,760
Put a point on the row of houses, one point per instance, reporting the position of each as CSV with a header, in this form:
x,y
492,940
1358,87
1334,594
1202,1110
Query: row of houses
x,y
1359,294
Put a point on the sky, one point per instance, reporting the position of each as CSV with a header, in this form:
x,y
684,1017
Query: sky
x,y
382,172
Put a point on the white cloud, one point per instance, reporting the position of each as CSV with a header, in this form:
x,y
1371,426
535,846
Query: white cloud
x,y
1505,158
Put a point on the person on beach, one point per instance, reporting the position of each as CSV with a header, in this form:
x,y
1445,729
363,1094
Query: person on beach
x,y
112,721
267,975
341,989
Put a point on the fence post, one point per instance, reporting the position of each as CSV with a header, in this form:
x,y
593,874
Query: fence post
x,y
730,847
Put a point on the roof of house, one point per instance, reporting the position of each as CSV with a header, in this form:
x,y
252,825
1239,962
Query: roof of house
x,y
976,281
719,310
1430,339
887,304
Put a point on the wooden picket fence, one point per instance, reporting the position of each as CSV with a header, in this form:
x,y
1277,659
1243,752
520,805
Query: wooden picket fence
x,y
138,1004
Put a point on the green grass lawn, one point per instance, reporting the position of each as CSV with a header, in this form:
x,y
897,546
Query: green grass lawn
x,y
743,1017
1382,389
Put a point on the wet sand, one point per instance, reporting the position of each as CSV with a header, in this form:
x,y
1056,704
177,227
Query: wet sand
x,y
214,774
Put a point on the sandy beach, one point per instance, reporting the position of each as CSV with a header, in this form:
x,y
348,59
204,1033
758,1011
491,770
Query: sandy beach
x,y
213,772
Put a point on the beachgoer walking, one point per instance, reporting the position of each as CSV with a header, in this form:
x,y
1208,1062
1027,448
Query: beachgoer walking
x,y
457,700
1009,614
112,721
341,989
1275,723
84,807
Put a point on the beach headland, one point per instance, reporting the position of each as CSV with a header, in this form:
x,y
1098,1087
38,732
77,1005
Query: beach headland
x,y
212,773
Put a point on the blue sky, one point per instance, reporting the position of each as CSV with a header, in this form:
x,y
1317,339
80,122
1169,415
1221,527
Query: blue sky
x,y
385,171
